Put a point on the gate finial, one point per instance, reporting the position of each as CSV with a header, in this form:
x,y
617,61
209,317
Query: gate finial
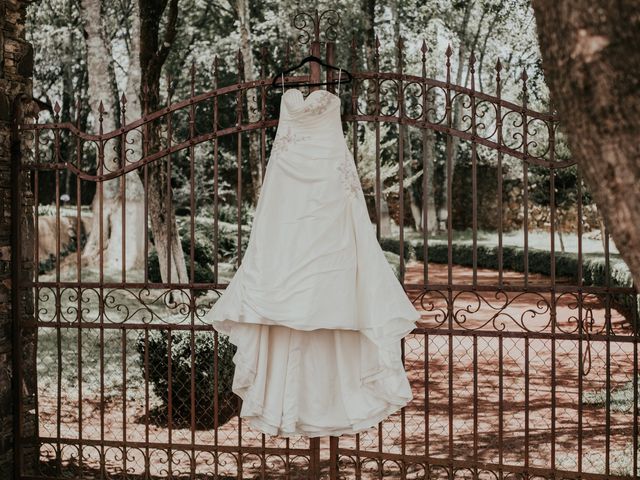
x,y
304,22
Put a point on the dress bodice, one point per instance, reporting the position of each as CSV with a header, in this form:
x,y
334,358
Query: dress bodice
x,y
320,106
309,138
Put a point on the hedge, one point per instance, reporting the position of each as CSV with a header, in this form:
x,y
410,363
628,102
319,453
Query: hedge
x,y
566,264
203,362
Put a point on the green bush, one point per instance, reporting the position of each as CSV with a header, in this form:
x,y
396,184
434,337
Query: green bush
x,y
391,244
203,257
204,376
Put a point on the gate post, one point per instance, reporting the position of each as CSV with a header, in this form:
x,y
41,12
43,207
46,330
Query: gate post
x,y
17,351
16,276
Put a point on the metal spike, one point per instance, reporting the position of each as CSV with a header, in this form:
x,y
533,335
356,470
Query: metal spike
x,y
498,66
400,43
56,108
524,75
423,49
449,51
100,107
472,63
123,99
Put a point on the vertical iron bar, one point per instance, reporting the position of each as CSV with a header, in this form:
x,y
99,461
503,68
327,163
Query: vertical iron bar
x,y
499,169
145,153
216,212
123,192
525,179
378,187
401,131
608,332
239,203
581,322
449,249
58,305
168,203
427,425
79,278
103,466
215,401
17,400
147,459
634,305
170,406
124,397
475,402
526,403
500,404
123,195
474,172
192,309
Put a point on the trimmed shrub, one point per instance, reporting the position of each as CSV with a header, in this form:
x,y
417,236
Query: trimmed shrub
x,y
203,369
566,264
391,244
203,256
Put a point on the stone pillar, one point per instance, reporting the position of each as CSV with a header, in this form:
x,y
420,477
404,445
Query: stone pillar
x,y
16,66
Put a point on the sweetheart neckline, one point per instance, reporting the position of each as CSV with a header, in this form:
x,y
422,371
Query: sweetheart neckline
x,y
304,100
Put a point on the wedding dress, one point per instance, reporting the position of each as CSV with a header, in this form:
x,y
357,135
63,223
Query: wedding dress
x,y
315,309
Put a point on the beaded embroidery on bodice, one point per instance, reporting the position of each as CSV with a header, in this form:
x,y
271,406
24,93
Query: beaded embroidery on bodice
x,y
320,110
317,102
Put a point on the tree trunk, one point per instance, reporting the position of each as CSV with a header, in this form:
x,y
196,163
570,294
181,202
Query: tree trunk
x,y
369,9
153,53
253,111
410,192
101,89
591,59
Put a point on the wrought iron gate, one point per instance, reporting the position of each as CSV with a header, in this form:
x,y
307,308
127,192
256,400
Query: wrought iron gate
x,y
526,360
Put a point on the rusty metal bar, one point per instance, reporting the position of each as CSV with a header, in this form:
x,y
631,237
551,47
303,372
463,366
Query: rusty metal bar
x,y
525,178
17,400
216,199
401,133
500,174
474,172
79,290
103,467
608,333
123,194
169,190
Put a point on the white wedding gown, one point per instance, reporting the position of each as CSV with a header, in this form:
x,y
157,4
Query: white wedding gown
x,y
314,309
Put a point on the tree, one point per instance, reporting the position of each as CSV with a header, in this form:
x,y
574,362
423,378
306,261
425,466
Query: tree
x,y
154,50
103,92
591,59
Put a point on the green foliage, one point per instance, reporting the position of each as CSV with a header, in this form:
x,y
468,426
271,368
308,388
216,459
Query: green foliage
x,y
391,244
565,182
184,363
202,259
